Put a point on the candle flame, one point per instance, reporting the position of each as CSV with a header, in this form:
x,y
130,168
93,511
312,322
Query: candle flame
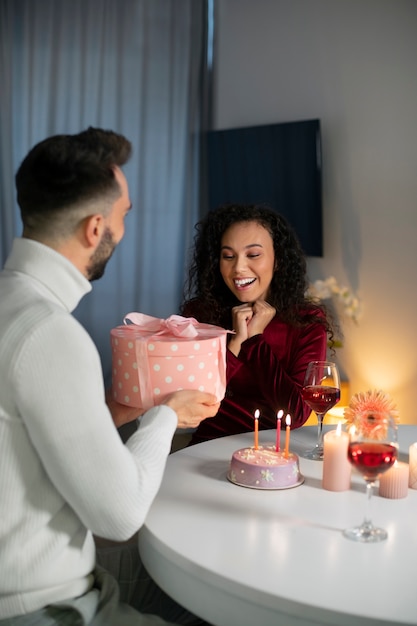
x,y
257,413
288,420
339,429
280,414
352,431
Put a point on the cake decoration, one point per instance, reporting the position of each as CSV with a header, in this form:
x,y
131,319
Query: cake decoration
x,y
265,468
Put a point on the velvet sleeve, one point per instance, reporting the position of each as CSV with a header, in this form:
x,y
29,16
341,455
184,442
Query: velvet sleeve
x,y
279,379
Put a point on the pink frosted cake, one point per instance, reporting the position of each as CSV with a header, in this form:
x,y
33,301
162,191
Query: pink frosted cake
x,y
264,468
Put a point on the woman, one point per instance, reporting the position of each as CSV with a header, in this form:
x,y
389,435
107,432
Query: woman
x,y
248,274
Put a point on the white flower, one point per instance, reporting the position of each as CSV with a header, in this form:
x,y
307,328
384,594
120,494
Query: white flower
x,y
267,475
329,288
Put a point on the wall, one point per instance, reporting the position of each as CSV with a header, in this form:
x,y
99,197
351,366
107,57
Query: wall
x,y
352,64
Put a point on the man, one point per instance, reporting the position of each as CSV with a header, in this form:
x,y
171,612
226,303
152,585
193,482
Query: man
x,y
65,474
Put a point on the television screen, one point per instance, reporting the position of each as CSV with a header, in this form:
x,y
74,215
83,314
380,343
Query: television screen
x,y
275,164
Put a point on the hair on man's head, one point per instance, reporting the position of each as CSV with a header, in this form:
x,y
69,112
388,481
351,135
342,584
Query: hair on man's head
x,y
64,175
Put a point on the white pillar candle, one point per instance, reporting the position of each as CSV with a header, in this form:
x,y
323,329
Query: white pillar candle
x,y
412,481
336,466
394,482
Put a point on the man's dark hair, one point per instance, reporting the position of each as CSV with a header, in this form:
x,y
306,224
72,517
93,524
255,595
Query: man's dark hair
x,y
67,172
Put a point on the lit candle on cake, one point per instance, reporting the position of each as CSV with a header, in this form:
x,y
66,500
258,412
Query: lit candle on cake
x,y
287,435
336,466
394,482
412,481
256,429
279,417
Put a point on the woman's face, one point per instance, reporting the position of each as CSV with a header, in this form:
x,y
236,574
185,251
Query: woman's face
x,y
247,261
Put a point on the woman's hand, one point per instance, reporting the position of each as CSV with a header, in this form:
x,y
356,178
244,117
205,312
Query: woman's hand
x,y
249,319
241,317
263,313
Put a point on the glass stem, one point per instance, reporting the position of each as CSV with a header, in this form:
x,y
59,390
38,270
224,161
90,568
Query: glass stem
x,y
367,519
320,417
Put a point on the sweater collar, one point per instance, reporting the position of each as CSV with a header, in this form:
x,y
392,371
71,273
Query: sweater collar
x,y
65,282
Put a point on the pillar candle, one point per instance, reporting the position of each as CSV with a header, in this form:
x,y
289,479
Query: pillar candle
x,y
336,466
412,481
394,482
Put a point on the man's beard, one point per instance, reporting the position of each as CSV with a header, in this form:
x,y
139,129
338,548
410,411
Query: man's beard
x,y
101,255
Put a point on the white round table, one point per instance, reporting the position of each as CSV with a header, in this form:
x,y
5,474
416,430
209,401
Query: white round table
x,y
246,557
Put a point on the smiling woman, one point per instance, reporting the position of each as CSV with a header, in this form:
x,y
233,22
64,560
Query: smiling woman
x,y
247,260
248,274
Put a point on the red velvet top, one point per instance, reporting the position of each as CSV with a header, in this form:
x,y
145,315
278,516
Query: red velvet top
x,y
267,375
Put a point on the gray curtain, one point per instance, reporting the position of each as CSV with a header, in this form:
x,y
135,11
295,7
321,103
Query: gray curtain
x,y
134,66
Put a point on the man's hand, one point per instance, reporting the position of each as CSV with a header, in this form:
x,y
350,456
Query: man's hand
x,y
192,406
120,413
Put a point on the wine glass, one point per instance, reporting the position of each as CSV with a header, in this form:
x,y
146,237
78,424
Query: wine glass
x,y
321,391
372,450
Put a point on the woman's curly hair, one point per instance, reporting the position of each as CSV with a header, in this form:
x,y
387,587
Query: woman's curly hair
x,y
205,285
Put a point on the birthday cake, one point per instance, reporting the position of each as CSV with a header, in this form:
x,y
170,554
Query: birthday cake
x,y
265,468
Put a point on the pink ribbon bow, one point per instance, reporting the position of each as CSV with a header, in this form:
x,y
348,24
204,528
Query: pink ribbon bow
x,y
176,325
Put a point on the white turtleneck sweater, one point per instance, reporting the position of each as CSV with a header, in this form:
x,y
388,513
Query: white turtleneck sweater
x,y
64,471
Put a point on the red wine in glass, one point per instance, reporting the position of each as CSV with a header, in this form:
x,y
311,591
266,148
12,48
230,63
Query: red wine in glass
x,y
371,459
320,398
321,391
372,450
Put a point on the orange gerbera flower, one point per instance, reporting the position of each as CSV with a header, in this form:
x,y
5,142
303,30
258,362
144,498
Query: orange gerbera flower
x,y
371,408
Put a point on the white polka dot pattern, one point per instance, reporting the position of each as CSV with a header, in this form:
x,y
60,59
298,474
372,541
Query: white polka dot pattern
x,y
146,369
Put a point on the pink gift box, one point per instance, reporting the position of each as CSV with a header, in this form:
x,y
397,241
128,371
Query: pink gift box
x,y
153,357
